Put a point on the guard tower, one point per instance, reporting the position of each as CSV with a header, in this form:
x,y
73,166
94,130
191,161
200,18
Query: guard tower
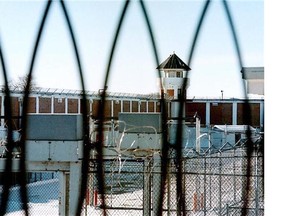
x,y
173,70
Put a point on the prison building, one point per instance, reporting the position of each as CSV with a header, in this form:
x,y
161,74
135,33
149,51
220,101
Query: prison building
x,y
254,80
60,101
225,111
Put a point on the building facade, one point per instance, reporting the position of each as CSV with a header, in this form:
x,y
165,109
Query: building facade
x,y
254,80
211,111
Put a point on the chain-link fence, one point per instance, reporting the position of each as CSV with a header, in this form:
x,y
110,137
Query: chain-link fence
x,y
214,184
43,192
124,180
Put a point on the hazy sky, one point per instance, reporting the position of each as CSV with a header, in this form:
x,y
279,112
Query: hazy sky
x,y
214,66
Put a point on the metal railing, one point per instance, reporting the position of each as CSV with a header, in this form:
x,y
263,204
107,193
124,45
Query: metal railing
x,y
207,185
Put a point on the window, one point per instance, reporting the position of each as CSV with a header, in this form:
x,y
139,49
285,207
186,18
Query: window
x,y
172,74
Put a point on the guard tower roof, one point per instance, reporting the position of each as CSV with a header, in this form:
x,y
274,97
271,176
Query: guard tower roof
x,y
173,62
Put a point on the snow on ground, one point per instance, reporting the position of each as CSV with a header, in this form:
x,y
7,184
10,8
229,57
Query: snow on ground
x,y
43,200
42,195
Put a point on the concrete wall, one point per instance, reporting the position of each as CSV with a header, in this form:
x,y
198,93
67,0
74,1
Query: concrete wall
x,y
255,87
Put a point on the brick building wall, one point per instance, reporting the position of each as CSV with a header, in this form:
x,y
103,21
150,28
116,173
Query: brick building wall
x,y
72,105
192,108
255,114
221,113
59,105
126,106
134,106
32,105
210,111
45,105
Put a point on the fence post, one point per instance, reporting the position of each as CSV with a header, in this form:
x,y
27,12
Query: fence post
x,y
156,184
256,185
220,183
74,187
168,189
147,187
205,191
210,181
234,177
63,194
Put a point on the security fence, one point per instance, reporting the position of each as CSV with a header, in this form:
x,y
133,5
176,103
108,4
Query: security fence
x,y
213,184
223,183
124,188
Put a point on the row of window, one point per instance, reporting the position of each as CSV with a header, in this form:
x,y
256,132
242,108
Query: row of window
x,y
219,113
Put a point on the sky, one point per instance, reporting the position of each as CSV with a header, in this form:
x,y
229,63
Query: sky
x,y
214,64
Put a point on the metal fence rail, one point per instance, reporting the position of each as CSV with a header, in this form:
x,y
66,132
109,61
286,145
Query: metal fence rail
x,y
226,183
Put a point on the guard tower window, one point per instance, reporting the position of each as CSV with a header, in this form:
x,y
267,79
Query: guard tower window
x,y
178,74
172,74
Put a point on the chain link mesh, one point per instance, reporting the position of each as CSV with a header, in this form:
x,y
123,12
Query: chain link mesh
x,y
213,185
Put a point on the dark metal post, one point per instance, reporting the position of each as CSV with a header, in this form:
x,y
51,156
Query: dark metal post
x,y
147,187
